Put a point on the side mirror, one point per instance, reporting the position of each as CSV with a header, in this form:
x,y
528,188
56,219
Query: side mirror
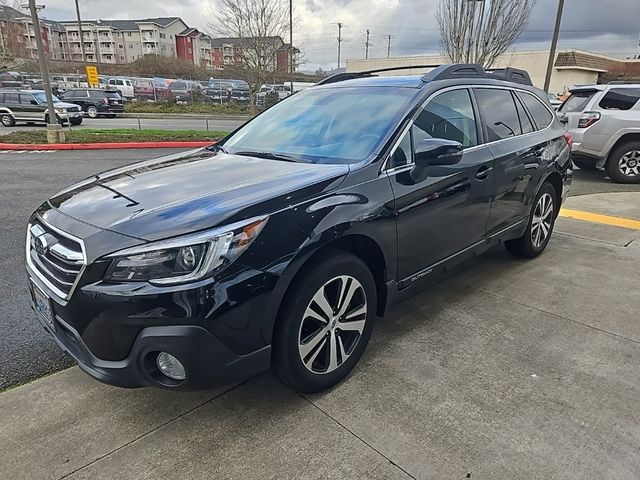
x,y
33,102
434,151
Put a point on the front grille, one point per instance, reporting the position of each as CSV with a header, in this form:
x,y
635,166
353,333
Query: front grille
x,y
73,109
56,258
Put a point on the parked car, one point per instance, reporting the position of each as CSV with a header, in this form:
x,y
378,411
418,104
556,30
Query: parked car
x,y
605,123
95,102
11,80
65,82
186,91
219,91
283,91
553,100
123,86
281,244
31,106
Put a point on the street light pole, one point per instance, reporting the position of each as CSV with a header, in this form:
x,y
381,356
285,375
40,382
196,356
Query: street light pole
x,y
554,43
84,56
291,45
44,67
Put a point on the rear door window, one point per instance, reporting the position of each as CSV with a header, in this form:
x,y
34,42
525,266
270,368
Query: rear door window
x,y
449,116
541,114
577,101
620,99
11,98
498,108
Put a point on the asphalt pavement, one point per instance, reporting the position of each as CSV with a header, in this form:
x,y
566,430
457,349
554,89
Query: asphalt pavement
x,y
214,123
27,179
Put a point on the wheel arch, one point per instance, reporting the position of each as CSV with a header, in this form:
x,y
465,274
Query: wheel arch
x,y
362,246
626,138
555,179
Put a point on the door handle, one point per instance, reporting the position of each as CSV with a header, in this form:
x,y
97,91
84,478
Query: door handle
x,y
483,172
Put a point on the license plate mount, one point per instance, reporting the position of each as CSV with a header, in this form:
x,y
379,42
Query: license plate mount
x,y
42,305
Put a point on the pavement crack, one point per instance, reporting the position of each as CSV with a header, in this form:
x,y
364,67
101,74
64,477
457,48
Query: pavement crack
x,y
347,429
158,427
502,297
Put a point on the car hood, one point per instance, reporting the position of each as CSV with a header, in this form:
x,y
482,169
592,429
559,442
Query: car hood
x,y
64,105
192,191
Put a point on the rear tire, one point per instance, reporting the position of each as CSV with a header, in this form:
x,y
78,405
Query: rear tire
x,y
623,165
585,163
92,111
325,323
540,227
7,120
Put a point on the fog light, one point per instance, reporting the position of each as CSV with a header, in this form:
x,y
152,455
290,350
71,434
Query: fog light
x,y
170,366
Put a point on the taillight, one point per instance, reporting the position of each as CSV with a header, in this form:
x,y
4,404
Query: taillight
x,y
587,119
568,138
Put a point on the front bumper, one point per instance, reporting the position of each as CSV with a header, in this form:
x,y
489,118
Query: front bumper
x,y
207,361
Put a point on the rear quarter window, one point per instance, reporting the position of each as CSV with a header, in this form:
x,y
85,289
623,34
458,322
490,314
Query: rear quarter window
x,y
541,115
620,99
577,101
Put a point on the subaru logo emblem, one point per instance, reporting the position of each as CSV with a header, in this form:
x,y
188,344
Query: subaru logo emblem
x,y
41,245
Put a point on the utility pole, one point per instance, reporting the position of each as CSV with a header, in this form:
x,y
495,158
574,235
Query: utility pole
x,y
339,41
554,43
388,37
84,56
366,46
54,131
291,45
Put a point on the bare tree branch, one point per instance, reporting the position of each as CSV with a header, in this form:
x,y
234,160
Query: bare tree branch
x,y
258,26
479,31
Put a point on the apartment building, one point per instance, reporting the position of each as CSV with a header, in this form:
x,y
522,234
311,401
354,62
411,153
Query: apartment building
x,y
230,51
195,47
125,41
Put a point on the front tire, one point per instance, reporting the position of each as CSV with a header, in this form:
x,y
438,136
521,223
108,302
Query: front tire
x,y
540,227
76,121
624,163
325,324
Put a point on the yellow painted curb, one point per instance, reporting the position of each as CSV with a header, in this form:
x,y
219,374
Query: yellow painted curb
x,y
602,219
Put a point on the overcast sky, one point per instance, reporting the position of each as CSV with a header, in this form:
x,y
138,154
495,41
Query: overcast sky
x,y
606,26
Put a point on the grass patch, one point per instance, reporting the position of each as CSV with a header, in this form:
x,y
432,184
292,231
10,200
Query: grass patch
x,y
208,107
115,136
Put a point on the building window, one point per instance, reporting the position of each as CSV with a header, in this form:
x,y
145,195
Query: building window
x,y
131,45
129,34
122,58
120,46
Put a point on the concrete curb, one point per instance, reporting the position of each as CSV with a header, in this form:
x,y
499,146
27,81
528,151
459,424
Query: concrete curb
x,y
101,146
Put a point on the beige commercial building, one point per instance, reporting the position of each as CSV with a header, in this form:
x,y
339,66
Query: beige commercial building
x,y
571,67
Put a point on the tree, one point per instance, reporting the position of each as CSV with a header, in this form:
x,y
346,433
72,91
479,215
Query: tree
x,y
479,31
255,29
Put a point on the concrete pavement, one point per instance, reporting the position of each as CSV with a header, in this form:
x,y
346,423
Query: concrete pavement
x,y
510,369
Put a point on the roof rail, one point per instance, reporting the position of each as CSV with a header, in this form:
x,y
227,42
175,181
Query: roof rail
x,y
340,77
443,72
511,75
624,82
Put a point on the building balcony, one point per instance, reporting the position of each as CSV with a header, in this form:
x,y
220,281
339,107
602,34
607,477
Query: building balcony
x,y
107,50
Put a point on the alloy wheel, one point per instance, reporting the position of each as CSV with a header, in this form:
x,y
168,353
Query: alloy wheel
x,y
629,163
332,325
6,120
542,219
92,112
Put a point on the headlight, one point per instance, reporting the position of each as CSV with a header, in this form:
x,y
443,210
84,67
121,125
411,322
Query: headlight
x,y
60,110
184,259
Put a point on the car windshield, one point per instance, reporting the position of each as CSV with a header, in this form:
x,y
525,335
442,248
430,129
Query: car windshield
x,y
325,125
42,98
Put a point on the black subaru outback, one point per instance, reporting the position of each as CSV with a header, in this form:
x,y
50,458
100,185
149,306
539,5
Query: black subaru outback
x,y
281,244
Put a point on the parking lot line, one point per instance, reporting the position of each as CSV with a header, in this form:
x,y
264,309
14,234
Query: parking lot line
x,y
602,219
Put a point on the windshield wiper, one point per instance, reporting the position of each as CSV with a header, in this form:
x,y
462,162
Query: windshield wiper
x,y
268,155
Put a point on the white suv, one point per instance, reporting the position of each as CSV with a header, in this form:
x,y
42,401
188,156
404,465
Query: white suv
x,y
605,123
